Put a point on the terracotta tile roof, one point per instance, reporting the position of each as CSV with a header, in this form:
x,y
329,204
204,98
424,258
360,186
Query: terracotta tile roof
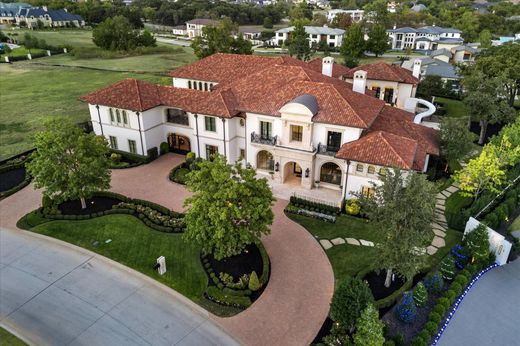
x,y
383,71
139,96
381,148
338,70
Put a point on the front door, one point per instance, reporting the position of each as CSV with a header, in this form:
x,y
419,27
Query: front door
x,y
179,144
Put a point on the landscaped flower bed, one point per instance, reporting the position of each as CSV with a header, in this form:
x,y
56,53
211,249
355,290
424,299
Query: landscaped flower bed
x,y
13,177
237,280
179,174
121,159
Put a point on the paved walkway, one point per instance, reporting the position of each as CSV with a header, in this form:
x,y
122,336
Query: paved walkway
x,y
490,312
296,301
52,294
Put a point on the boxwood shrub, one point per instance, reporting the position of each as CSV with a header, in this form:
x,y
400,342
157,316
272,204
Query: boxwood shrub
x,y
314,206
218,296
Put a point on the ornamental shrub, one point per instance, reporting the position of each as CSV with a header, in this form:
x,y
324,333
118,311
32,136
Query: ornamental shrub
x,y
399,339
477,244
369,330
350,298
461,280
190,157
434,317
444,302
433,283
352,207
451,296
440,309
406,310
431,327
254,284
447,268
164,148
456,288
420,295
419,341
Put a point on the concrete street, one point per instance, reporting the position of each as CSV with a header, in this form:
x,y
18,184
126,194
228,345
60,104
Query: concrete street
x,y
490,312
55,295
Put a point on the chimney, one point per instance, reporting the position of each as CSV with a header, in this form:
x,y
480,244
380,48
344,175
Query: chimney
x,y
416,71
44,8
327,63
360,81
395,26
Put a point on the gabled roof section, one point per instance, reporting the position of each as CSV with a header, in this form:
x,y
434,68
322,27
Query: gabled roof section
x,y
338,70
383,71
381,148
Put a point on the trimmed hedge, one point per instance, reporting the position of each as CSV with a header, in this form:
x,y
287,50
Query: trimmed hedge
x,y
266,264
178,174
313,206
221,297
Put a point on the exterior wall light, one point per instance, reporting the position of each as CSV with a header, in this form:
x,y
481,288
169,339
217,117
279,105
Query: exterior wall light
x,y
307,171
277,167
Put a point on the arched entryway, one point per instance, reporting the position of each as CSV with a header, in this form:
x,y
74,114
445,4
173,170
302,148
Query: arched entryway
x,y
265,160
292,173
330,173
179,143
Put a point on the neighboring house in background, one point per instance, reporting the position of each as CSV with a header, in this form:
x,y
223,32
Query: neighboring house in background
x,y
442,54
252,34
418,8
456,55
9,11
356,15
180,30
431,66
293,124
390,83
424,38
49,18
194,27
506,39
316,34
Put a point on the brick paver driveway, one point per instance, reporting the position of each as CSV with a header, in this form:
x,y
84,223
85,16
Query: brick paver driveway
x,y
296,301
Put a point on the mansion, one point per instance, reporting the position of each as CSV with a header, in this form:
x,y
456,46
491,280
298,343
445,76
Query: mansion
x,y
426,38
302,124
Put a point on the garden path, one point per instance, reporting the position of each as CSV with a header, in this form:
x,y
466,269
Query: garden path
x,y
295,302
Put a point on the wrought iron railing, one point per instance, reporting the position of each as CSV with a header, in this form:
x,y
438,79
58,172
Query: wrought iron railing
x,y
256,138
327,150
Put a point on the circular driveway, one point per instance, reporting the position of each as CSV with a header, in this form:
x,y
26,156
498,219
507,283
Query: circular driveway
x,y
296,301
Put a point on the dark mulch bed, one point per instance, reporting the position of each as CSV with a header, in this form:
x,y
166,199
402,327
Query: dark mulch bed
x,y
377,284
94,205
492,130
409,330
324,331
11,178
248,261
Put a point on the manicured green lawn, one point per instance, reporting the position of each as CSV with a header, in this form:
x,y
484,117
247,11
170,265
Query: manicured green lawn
x,y
454,108
345,227
136,246
29,92
8,339
74,38
515,226
348,260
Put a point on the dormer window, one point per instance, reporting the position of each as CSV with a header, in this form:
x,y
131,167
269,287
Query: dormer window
x,y
359,168
371,170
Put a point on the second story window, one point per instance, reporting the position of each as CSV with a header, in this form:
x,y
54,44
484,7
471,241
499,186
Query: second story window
x,y
296,133
118,117
359,168
371,170
266,130
333,140
332,37
210,124
177,116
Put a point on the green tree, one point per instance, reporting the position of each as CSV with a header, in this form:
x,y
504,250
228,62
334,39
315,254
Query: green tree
x,y
115,34
268,23
300,12
319,19
447,268
219,39
487,102
341,21
485,172
403,208
420,295
350,298
377,40
30,42
146,39
485,38
68,163
353,45
241,46
431,86
254,283
476,242
229,208
369,330
455,139
468,23
149,13
298,43
378,13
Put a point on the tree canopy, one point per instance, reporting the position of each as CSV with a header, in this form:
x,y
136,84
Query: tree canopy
x,y
353,45
455,139
118,34
350,298
403,208
229,208
369,329
298,43
377,40
68,163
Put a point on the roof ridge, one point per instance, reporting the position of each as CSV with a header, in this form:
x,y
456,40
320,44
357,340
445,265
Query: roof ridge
x,y
138,94
383,134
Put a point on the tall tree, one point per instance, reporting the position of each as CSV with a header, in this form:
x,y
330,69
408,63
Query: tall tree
x,y
455,139
353,45
298,43
476,243
377,12
403,208
219,39
485,38
229,208
117,33
487,100
68,163
350,298
341,21
369,329
300,12
377,40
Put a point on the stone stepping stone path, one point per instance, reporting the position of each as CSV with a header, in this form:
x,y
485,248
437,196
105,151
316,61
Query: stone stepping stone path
x,y
440,226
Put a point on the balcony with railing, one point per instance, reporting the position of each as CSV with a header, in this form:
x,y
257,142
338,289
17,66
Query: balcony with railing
x,y
267,140
327,150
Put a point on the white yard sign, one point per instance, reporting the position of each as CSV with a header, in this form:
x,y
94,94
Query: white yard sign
x,y
497,242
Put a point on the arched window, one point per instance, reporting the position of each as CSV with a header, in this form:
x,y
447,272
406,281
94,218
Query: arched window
x,y
371,170
189,84
264,160
359,168
330,173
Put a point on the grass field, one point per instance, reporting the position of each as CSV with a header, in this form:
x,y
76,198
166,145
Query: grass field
x,y
136,246
8,339
454,108
74,38
515,226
